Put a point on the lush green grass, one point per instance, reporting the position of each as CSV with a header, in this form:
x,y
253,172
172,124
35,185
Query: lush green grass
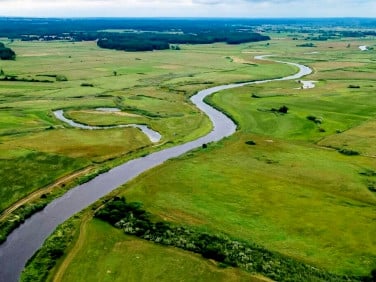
x,y
358,139
17,174
287,192
302,201
154,86
338,108
131,259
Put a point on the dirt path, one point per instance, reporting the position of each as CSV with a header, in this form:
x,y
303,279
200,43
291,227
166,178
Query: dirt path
x,y
58,276
40,192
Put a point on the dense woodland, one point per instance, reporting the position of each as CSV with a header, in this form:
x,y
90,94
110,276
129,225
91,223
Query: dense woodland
x,y
149,41
133,34
160,33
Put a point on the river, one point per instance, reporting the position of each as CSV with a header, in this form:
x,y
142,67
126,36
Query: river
x,y
23,242
153,136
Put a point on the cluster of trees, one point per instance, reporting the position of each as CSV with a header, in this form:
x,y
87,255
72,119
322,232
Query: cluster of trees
x,y
6,53
148,41
135,221
132,44
134,34
306,45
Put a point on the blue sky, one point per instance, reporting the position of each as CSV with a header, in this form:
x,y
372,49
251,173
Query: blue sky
x,y
189,8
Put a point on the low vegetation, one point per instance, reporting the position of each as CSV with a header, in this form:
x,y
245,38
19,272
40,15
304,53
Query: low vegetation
x,y
45,259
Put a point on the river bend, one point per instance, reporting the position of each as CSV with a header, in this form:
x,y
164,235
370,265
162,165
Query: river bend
x,y
23,242
153,136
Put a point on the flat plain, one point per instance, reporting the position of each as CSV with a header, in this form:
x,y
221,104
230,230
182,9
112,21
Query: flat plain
x,y
306,189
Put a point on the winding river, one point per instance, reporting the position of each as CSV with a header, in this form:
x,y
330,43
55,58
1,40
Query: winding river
x,y
23,242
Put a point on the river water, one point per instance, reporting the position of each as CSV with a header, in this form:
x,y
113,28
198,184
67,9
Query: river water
x,y
23,242
153,136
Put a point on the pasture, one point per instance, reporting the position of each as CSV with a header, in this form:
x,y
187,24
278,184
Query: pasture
x,y
292,192
149,87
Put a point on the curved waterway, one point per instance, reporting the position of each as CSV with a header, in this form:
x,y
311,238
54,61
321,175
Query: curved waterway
x,y
23,242
153,136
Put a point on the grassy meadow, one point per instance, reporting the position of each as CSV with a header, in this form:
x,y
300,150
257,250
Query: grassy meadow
x,y
130,259
150,88
292,192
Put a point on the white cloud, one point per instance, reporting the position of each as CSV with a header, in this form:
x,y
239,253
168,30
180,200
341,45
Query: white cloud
x,y
189,8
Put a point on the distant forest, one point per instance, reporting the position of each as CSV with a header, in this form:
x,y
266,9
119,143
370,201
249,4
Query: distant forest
x,y
132,34
144,34
148,41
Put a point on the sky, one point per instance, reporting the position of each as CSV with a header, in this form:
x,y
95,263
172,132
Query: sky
x,y
189,8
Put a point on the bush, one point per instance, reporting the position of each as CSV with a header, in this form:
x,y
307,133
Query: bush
x,y
6,53
353,86
314,119
306,45
250,142
283,109
60,77
348,152
85,84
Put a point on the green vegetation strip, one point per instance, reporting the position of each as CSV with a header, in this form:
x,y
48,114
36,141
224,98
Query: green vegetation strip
x,y
249,256
38,266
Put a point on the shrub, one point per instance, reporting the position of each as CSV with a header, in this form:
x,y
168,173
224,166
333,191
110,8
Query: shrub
x,y
60,77
348,152
85,84
283,109
6,53
250,142
314,119
306,45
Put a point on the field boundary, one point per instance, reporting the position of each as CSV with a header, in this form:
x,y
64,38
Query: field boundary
x,y
38,193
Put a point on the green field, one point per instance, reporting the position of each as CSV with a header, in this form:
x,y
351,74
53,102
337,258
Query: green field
x,y
150,88
292,192
130,259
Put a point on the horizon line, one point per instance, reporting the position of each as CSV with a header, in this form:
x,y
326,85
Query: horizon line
x,y
188,18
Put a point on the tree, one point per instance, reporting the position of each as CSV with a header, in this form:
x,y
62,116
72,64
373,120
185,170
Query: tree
x,y
6,53
283,109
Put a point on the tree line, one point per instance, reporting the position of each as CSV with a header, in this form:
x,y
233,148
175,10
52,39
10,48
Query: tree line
x,y
148,41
